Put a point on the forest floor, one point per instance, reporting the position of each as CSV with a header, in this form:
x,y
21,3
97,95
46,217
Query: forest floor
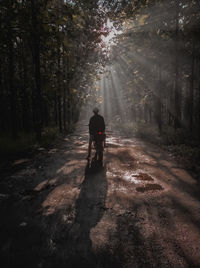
x,y
142,209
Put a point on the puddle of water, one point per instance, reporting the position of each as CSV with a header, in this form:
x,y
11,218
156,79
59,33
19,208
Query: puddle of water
x,y
137,178
143,177
131,177
149,187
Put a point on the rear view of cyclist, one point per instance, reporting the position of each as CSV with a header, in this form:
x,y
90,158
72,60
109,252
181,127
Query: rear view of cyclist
x,y
96,125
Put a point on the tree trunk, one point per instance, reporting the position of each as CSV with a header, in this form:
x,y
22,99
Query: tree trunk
x,y
68,108
158,106
64,109
145,113
150,114
177,110
198,105
56,109
60,113
13,93
36,62
25,95
59,90
3,124
191,94
64,97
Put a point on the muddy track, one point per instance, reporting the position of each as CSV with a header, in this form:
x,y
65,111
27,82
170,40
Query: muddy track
x,y
140,210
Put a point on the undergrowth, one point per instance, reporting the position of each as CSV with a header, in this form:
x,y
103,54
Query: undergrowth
x,y
25,143
180,142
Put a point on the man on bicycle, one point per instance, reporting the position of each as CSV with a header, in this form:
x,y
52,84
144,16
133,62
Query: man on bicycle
x,y
96,125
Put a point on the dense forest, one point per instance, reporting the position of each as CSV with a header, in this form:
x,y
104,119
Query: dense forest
x,y
54,54
46,48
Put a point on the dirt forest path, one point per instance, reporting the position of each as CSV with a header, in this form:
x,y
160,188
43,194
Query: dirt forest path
x,y
140,210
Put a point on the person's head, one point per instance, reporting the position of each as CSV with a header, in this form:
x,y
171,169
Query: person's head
x,y
95,110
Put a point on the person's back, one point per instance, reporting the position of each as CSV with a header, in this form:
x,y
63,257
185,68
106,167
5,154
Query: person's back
x,y
96,124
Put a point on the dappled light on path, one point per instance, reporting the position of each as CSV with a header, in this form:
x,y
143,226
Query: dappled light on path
x,y
141,209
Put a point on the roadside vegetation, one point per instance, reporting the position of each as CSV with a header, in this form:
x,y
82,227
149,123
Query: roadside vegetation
x,y
180,143
26,143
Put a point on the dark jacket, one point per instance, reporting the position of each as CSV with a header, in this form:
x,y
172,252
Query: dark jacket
x,y
96,124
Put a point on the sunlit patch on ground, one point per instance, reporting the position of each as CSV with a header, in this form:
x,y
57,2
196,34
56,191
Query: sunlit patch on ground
x,y
20,161
72,163
78,142
71,166
125,180
118,184
184,175
112,174
52,151
137,178
45,184
146,159
166,163
131,177
68,218
123,189
84,146
113,142
156,155
78,151
61,197
101,233
121,158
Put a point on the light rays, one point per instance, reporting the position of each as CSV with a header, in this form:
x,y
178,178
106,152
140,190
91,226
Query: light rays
x,y
110,96
145,55
112,32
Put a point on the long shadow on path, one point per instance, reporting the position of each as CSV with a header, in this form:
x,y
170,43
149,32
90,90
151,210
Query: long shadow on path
x,y
89,207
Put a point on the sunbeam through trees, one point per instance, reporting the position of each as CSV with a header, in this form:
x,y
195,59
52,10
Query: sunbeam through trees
x,y
142,55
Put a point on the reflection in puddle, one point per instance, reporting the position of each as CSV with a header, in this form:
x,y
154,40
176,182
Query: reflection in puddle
x,y
143,181
130,177
137,178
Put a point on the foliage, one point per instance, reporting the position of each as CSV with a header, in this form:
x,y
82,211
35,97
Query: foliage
x,y
158,56
26,142
173,136
13,148
186,151
47,62
148,132
49,135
